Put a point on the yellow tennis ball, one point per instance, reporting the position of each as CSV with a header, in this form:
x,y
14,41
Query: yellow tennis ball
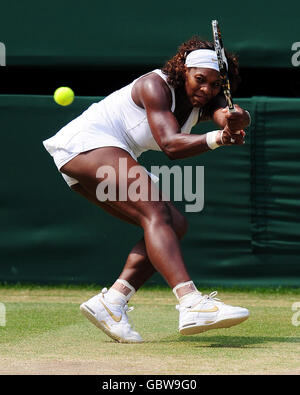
x,y
64,96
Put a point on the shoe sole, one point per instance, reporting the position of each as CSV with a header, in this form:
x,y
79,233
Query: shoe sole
x,y
84,310
227,323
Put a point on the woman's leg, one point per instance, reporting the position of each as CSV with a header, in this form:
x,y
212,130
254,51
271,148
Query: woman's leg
x,y
161,241
138,268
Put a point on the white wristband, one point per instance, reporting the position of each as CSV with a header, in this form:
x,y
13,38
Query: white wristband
x,y
211,139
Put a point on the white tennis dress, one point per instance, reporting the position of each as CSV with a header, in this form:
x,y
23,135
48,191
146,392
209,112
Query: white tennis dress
x,y
115,121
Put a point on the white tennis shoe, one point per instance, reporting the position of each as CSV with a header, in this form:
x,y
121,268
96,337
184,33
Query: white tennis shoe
x,y
111,318
208,313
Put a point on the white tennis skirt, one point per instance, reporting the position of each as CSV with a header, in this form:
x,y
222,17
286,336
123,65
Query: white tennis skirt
x,y
77,137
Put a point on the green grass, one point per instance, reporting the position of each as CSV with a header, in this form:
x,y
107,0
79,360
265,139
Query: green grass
x,y
45,333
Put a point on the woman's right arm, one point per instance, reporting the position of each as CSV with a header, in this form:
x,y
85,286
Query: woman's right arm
x,y
153,94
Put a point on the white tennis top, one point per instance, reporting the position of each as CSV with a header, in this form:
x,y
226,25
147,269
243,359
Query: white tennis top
x,y
114,121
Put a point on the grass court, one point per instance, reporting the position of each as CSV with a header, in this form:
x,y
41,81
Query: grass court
x,y
45,333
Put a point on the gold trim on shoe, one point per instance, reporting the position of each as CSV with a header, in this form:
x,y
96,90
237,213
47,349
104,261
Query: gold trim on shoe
x,y
114,317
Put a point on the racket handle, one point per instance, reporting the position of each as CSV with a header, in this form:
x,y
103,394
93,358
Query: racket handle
x,y
233,110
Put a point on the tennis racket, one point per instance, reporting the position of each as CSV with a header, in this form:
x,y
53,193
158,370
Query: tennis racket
x,y
219,48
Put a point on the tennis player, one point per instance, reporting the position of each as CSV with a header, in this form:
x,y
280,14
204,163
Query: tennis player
x,y
155,112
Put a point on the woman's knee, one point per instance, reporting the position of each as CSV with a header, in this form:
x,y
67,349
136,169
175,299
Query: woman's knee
x,y
160,213
166,214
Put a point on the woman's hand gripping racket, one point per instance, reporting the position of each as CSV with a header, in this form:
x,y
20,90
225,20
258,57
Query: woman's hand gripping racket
x,y
219,48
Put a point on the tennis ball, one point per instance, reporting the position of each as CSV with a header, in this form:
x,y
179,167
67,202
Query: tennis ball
x,y
64,96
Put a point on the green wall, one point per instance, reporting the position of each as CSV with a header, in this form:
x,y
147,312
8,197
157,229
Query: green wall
x,y
136,32
247,234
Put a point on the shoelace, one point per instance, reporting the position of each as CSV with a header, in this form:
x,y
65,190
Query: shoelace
x,y
127,310
205,298
212,297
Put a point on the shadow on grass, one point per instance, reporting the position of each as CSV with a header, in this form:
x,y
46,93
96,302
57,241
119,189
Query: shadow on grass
x,y
229,341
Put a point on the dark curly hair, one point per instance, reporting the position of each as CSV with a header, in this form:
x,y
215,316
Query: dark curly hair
x,y
174,68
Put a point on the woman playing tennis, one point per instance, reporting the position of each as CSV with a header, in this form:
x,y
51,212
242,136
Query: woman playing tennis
x,y
155,112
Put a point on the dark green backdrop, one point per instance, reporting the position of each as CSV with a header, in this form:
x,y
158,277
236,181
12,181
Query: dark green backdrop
x,y
136,32
247,234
